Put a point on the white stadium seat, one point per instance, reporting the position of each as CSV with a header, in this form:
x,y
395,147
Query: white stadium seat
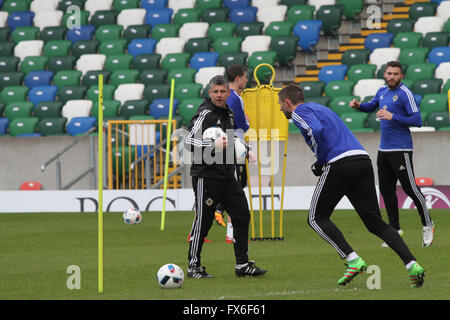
x,y
318,3
264,3
443,10
44,5
3,18
367,87
175,5
271,14
204,75
443,72
191,30
170,45
255,43
129,91
129,17
97,5
76,108
28,48
381,56
429,24
44,19
88,62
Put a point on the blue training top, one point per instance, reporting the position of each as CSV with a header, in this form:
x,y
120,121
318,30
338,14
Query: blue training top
x,y
236,104
395,134
325,133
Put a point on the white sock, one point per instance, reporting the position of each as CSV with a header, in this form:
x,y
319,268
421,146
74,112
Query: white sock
x,y
410,264
229,230
352,256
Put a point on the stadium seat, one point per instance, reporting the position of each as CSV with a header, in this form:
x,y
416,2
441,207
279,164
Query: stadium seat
x,y
240,15
203,59
165,31
160,108
14,6
443,72
299,12
436,39
63,5
24,33
169,45
185,91
84,47
108,32
4,32
332,72
187,108
313,88
110,109
6,48
136,32
134,107
67,93
118,62
227,45
355,121
20,19
405,40
355,56
11,79
400,25
255,43
146,61
153,76
361,71
52,126
28,48
340,105
227,59
324,100
23,127
308,32
271,14
123,76
352,9
104,18
157,91
279,28
331,17
157,16
426,86
97,5
79,125
75,18
253,28
112,47
438,120
131,17
205,4
443,10
60,63
425,25
373,122
57,48
413,55
76,108
195,45
216,14
191,30
48,109
382,56
286,49
42,94
339,88
367,87
264,3
318,3
438,55
18,109
67,78
204,75
129,91
422,9
108,92
141,46
13,93
176,5
236,3
258,57
187,15
434,102
88,62
33,63
221,29
378,40
175,61
419,71
153,4
48,19
38,78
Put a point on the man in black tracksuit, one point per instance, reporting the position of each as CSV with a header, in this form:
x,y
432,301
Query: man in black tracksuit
x,y
213,181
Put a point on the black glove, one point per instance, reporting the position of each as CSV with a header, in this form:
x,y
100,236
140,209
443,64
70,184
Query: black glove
x,y
317,169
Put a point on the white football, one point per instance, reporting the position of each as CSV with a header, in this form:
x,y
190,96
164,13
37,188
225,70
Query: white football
x,y
213,133
170,276
240,149
132,216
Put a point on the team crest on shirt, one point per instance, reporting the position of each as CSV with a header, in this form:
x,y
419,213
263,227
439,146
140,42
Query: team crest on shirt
x,y
395,98
209,202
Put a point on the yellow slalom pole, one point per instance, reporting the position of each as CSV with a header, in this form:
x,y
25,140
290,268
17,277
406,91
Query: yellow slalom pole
x,y
166,165
282,185
100,183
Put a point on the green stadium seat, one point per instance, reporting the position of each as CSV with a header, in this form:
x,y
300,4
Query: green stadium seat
x,y
146,61
340,105
258,57
186,15
361,71
339,88
4,33
52,126
352,9
325,101
60,63
118,62
285,47
410,56
229,58
422,9
216,14
24,33
355,121
438,120
6,48
279,28
156,91
108,92
120,5
108,32
253,28
122,156
134,108
355,56
405,40
16,6
84,47
175,61
124,76
194,45
9,64
104,17
13,94
300,12
227,44
400,25
434,102
313,89
187,108
67,78
436,39
153,76
33,63
136,32
71,19
11,79
331,17
183,75
112,47
23,126
64,4
91,77
420,71
218,30
373,122
18,109
165,30
206,4
67,93
110,108
48,109
185,91
57,48
426,86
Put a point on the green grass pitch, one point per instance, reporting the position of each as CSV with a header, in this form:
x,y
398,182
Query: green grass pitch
x,y
36,250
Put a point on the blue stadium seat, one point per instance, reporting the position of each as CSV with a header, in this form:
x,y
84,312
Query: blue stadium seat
x,y
308,32
42,94
239,15
80,125
153,4
204,59
236,3
39,78
438,55
3,125
141,46
332,73
85,32
20,19
378,40
160,107
158,16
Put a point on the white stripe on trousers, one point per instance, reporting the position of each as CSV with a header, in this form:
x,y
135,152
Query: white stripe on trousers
x,y
416,191
195,236
312,212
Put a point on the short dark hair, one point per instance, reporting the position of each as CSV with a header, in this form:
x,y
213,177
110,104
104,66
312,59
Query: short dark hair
x,y
293,92
218,80
234,71
394,64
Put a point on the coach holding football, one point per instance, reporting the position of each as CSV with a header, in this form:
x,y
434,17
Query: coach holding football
x,y
397,112
345,169
214,182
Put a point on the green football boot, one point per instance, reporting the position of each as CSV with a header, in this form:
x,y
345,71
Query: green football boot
x,y
416,275
354,268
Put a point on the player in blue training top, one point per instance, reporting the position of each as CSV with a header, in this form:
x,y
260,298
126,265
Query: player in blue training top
x,y
237,78
397,112
345,169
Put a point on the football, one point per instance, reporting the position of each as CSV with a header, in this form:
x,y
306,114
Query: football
x,y
170,276
213,133
240,149
132,216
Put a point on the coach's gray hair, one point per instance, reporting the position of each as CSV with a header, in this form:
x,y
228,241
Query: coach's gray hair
x,y
219,81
